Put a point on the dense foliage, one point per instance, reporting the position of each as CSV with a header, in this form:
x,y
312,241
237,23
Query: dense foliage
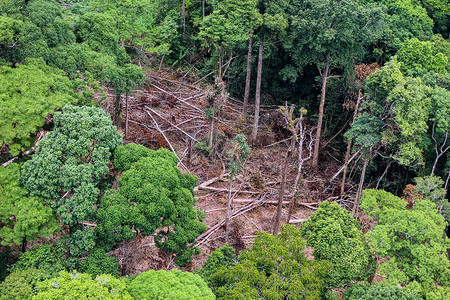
x,y
82,286
153,193
221,257
67,169
378,291
412,240
275,267
170,285
24,218
335,236
22,284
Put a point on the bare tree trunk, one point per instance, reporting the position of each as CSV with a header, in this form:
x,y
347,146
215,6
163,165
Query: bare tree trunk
x,y
248,77
258,89
183,15
360,186
349,146
126,115
211,132
315,161
446,184
227,218
276,226
117,109
439,150
301,161
203,8
384,174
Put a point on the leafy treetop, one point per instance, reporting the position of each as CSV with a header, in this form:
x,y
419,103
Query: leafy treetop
x,y
172,284
335,236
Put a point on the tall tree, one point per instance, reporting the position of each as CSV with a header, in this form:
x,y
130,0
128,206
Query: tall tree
x,y
273,27
68,166
229,24
153,194
329,34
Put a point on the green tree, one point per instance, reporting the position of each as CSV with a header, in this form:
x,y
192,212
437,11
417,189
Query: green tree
x,y
422,55
273,28
407,19
335,236
172,284
275,267
98,262
22,284
413,241
378,291
82,286
43,257
222,257
430,187
329,34
229,24
67,169
146,25
29,93
153,193
23,218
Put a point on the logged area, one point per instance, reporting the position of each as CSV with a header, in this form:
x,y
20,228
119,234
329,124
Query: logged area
x,y
252,149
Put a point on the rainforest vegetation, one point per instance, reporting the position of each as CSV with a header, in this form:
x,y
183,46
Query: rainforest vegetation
x,y
224,149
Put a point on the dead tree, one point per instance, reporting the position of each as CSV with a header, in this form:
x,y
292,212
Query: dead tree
x,y
301,159
292,125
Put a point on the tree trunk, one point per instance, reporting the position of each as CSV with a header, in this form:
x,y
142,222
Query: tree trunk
x,y
183,15
24,245
126,115
360,186
297,180
315,161
248,77
258,89
439,150
117,109
211,132
276,226
203,8
349,146
227,218
446,184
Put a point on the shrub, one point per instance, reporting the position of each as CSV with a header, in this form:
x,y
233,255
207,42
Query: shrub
x,y
166,285
98,262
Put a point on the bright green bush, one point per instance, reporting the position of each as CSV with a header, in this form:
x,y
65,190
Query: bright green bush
x,y
43,257
275,267
23,218
152,193
171,285
378,291
82,286
335,236
21,284
98,262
